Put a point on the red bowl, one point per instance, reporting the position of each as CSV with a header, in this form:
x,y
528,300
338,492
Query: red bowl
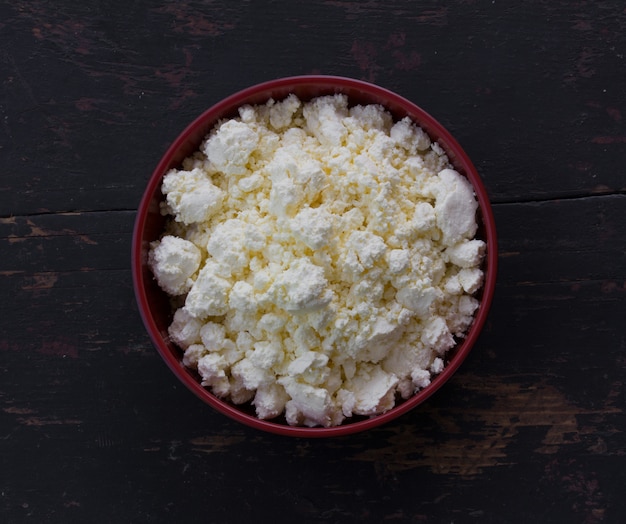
x,y
154,305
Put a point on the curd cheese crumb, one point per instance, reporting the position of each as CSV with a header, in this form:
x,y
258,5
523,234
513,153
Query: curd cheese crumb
x,y
209,294
374,390
455,207
231,146
232,241
300,287
191,195
467,253
184,330
174,261
323,259
281,113
313,227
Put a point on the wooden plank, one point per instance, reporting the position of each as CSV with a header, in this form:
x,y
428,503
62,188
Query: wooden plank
x,y
544,241
136,99
563,240
60,242
534,407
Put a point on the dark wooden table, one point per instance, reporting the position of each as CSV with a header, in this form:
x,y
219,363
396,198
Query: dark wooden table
x,y
95,428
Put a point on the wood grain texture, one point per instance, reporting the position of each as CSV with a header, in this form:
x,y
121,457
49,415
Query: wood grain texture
x,y
93,426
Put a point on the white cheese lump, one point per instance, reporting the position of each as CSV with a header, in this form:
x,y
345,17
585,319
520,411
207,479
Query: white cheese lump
x,y
323,259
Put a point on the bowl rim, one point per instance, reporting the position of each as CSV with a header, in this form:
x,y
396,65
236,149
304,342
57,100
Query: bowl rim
x,y
327,83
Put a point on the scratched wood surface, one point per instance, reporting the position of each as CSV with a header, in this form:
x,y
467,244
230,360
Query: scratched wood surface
x,y
93,426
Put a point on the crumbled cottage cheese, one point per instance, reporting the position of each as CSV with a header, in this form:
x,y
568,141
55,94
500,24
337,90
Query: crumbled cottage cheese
x,y
323,259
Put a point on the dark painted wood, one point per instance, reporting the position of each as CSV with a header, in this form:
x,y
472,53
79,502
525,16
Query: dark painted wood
x,y
93,426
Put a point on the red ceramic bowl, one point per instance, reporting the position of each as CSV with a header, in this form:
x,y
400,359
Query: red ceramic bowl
x,y
154,305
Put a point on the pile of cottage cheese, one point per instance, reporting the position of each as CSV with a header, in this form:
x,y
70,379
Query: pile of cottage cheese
x,y
322,259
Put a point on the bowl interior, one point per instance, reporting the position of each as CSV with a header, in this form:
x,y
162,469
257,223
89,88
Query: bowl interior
x,y
154,304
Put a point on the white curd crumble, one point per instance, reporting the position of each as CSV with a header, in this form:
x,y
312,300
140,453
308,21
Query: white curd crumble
x,y
322,259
